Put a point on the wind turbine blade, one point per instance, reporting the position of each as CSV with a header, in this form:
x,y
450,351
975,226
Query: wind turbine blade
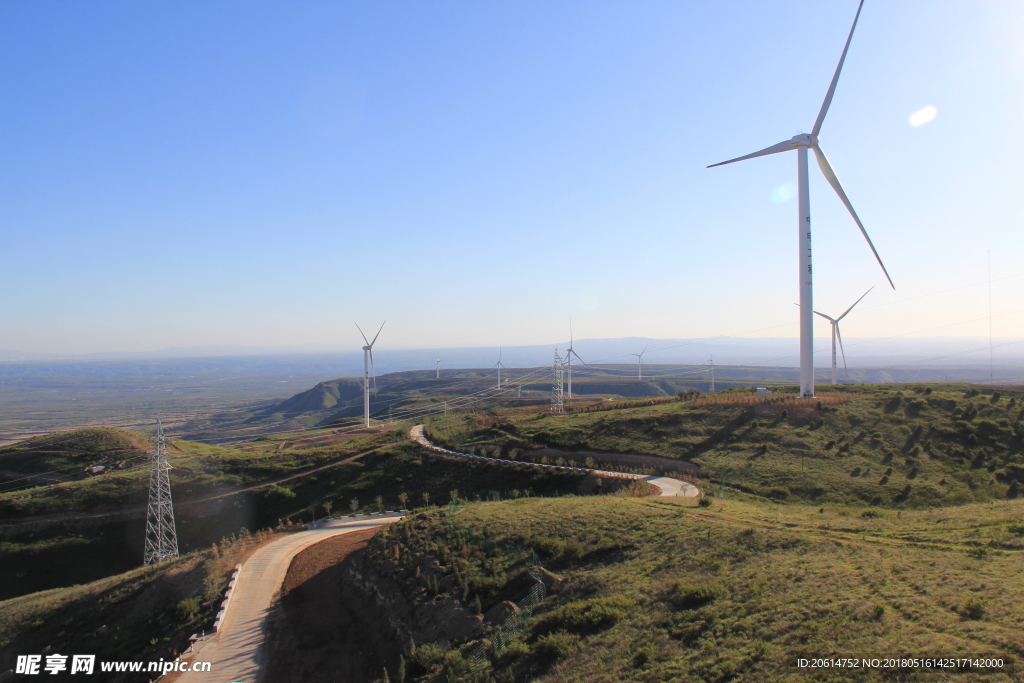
x,y
774,149
378,333
840,337
823,316
361,332
578,357
373,370
830,176
835,78
854,304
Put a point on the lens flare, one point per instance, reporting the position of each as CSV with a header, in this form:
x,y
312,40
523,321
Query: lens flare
x,y
923,115
783,193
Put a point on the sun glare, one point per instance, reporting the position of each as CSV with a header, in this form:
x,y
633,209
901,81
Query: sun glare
x,y
923,115
783,193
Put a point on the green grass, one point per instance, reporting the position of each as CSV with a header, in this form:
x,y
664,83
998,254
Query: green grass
x,y
143,614
33,557
880,445
74,450
666,591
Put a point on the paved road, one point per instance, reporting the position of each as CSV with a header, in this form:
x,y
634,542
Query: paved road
x,y
667,485
235,652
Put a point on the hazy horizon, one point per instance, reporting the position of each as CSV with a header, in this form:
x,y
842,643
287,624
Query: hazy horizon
x,y
776,351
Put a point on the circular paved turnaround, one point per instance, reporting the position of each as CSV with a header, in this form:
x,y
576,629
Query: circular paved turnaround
x,y
235,653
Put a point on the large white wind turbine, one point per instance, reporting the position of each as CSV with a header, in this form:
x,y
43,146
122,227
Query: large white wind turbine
x,y
438,368
568,358
835,333
367,366
801,143
640,363
499,365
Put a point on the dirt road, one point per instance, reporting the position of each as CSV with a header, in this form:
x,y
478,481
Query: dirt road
x,y
235,653
667,485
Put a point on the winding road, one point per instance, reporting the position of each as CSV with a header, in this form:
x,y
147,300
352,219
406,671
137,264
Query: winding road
x,y
235,653
667,485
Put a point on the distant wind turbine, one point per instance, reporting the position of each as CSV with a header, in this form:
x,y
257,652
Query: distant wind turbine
x,y
801,143
835,334
568,358
438,368
499,366
367,366
640,363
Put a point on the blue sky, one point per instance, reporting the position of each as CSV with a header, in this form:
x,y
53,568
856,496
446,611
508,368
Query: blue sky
x,y
256,173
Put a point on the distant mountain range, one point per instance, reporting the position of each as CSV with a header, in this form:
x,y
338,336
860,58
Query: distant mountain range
x,y
961,353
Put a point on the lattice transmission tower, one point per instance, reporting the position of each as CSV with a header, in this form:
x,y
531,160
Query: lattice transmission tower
x,y
558,378
161,537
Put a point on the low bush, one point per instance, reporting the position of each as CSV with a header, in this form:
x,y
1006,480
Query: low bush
x,y
974,608
685,595
584,617
555,646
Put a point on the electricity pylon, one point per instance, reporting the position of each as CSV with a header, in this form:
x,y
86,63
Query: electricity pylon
x,y
558,372
161,537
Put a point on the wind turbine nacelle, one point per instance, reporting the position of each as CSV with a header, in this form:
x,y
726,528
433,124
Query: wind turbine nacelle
x,y
804,140
366,348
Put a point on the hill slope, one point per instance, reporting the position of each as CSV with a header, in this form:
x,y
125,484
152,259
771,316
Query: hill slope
x,y
77,448
872,444
657,590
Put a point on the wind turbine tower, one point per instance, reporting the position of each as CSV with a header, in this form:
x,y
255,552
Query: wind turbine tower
x,y
499,365
438,368
161,536
640,363
802,143
835,334
367,367
569,353
711,362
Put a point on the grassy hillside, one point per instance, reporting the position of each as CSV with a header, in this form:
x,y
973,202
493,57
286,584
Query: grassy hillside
x,y
882,445
33,554
658,590
71,451
200,470
143,614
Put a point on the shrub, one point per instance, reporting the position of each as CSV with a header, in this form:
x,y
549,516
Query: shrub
x,y
974,608
644,654
515,650
583,617
555,646
426,658
871,514
188,609
684,595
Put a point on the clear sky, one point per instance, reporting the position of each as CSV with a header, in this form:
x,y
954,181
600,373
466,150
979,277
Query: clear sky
x,y
264,173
